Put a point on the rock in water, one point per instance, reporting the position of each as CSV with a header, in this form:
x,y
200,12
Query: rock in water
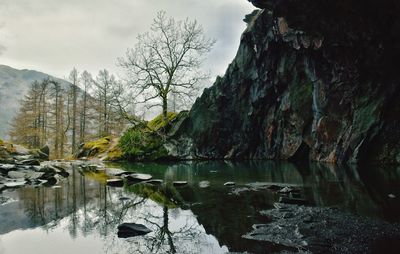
x,y
14,184
115,182
230,184
180,183
137,177
126,230
204,184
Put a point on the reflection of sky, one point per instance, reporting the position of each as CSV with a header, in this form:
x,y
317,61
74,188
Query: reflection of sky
x,y
86,231
74,219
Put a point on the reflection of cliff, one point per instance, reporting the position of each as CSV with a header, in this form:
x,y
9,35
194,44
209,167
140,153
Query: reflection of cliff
x,y
359,190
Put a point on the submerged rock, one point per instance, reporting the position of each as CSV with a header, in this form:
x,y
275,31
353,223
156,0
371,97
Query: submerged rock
x,y
204,184
295,201
155,181
126,230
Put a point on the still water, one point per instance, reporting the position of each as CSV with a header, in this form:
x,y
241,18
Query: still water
x,y
82,214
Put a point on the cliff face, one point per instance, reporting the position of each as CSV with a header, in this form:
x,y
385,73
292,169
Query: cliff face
x,y
311,79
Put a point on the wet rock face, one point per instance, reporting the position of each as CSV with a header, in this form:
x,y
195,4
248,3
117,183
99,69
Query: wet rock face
x,y
311,79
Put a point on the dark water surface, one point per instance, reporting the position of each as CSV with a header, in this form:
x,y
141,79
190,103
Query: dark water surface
x,y
82,214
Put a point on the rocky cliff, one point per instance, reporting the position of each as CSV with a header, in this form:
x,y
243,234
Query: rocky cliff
x,y
311,80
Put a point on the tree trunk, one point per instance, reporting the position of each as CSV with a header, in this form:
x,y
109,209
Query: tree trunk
x,y
74,99
165,108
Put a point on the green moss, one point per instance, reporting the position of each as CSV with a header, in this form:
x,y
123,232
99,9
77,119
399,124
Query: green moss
x,y
100,145
115,154
1,142
145,142
158,123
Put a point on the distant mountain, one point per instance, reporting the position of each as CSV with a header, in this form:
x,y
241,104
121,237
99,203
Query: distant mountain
x,y
14,84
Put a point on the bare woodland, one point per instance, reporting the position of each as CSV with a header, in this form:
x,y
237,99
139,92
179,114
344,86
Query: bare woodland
x,y
163,70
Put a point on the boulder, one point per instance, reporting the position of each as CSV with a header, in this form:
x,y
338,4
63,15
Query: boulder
x,y
126,230
44,153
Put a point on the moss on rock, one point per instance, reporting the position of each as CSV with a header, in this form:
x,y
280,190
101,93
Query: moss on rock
x,y
98,146
146,141
158,123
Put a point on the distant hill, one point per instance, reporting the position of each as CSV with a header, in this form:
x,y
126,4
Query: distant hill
x,y
14,84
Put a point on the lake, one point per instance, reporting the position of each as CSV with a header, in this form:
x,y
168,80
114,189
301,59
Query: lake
x,y
82,213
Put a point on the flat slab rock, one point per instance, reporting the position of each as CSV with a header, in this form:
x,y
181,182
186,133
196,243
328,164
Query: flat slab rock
x,y
14,184
325,230
138,177
180,183
126,230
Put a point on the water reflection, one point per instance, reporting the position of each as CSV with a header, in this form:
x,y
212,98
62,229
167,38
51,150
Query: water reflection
x,y
84,213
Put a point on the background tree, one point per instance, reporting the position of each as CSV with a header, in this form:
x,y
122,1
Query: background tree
x,y
86,81
104,95
167,58
73,77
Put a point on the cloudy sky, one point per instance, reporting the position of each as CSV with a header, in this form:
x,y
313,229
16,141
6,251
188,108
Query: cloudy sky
x,y
54,36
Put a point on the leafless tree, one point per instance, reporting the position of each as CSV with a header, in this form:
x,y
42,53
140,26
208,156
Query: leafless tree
x,y
167,59
87,81
73,77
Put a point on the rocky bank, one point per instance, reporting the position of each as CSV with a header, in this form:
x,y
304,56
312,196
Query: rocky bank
x,y
311,80
20,166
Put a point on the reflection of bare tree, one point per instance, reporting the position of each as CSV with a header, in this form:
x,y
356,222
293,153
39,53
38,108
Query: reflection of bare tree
x,y
163,238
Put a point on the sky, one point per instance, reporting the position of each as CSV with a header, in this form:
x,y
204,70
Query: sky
x,y
53,36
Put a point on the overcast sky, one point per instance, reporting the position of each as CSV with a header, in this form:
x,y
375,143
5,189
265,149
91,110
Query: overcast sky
x,y
53,36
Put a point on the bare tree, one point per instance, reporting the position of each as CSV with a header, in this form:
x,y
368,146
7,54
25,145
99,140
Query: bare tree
x,y
87,82
167,59
104,94
73,77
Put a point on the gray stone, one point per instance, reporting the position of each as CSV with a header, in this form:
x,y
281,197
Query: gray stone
x,y
16,174
15,184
